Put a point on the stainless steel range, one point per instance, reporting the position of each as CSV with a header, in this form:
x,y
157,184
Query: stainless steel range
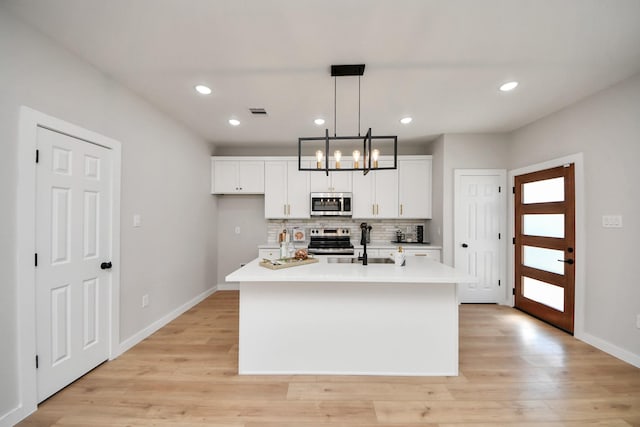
x,y
330,241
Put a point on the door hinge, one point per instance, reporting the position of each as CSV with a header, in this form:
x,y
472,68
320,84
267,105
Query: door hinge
x,y
499,236
37,156
513,291
36,259
514,240
514,190
36,361
499,282
499,189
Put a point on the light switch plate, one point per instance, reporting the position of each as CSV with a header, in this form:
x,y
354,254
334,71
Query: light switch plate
x,y
612,221
137,220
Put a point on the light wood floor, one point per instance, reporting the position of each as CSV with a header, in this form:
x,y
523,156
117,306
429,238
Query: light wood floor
x,y
515,371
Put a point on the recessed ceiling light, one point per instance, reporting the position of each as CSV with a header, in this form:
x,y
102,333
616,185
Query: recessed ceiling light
x,y
319,121
205,90
509,86
406,120
234,122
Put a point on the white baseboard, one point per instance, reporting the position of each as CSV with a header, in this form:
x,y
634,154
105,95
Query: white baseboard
x,y
231,286
612,349
14,416
146,332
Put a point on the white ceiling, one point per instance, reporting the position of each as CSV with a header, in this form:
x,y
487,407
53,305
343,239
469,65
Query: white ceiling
x,y
439,61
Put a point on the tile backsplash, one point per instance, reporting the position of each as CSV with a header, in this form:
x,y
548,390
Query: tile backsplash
x,y
383,230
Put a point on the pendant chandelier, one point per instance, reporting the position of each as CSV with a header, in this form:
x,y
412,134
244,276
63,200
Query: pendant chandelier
x,y
366,151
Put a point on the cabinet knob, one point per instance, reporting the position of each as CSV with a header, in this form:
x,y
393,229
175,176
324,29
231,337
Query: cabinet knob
x,y
464,245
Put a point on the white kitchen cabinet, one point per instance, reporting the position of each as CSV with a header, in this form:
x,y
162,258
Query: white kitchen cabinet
x,y
286,190
340,182
237,176
414,187
375,195
433,254
269,253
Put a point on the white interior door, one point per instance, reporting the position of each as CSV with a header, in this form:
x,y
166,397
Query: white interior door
x,y
73,239
480,233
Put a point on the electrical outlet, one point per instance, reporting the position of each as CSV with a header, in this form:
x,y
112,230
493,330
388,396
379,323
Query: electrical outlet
x,y
612,221
145,300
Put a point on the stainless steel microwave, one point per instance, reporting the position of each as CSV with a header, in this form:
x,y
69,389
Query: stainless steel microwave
x,y
331,204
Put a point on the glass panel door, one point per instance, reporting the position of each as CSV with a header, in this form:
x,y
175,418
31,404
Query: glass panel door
x,y
544,245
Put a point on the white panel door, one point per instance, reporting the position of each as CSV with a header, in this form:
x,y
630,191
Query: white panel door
x,y
479,221
73,239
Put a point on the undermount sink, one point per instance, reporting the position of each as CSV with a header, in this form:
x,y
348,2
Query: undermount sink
x,y
356,261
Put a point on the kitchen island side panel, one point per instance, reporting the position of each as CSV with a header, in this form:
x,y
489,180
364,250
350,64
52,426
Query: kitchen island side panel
x,y
331,328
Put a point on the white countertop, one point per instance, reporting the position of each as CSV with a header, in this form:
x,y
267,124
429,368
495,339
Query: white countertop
x,y
416,270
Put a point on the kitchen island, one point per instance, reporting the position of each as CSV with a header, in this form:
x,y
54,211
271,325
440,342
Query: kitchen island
x,y
349,319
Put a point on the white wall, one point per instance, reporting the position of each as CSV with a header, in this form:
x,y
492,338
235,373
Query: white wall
x,y
165,178
606,128
435,225
246,212
468,151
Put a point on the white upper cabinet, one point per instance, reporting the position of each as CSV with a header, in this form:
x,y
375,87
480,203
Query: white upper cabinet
x,y
340,182
237,176
403,193
286,190
375,195
414,187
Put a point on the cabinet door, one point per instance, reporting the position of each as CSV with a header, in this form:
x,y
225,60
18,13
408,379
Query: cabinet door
x,y
363,203
251,176
225,177
386,193
275,189
319,182
298,198
269,253
341,182
414,188
433,254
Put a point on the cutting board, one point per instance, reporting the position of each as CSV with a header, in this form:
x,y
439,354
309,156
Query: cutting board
x,y
289,262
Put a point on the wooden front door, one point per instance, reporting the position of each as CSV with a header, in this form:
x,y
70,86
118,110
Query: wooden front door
x,y
545,245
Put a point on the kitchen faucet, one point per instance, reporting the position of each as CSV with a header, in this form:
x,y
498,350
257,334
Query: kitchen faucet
x,y
366,230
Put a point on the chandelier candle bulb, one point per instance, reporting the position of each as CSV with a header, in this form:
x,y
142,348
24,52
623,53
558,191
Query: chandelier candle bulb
x,y
374,156
356,158
338,156
319,159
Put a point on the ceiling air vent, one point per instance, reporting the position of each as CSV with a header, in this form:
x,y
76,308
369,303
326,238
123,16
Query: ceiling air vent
x,y
258,111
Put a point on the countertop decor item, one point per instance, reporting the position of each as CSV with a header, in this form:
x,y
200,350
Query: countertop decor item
x,y
286,263
341,147
299,235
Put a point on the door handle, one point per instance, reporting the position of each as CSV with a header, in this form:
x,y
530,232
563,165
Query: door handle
x,y
464,245
568,261
106,265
